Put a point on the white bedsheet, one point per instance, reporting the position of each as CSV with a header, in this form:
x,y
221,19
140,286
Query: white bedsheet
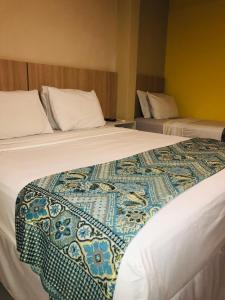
x,y
194,128
170,258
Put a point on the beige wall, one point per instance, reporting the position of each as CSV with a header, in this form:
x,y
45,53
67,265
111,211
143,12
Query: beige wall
x,y
95,34
152,37
127,41
80,33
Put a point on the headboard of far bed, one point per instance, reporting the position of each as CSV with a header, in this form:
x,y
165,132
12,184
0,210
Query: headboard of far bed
x,y
28,76
148,83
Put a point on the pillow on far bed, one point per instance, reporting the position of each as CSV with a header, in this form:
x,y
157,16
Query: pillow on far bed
x,y
75,109
21,114
145,107
162,106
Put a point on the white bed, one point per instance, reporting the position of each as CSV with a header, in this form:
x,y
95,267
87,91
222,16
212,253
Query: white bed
x,y
179,253
187,127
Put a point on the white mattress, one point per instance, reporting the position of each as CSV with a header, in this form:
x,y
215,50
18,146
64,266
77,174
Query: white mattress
x,y
194,128
172,257
187,127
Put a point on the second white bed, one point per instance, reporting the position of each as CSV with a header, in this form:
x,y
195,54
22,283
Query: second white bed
x,y
187,127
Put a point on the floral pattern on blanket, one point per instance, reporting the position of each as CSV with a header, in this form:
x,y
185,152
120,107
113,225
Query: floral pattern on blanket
x,y
73,227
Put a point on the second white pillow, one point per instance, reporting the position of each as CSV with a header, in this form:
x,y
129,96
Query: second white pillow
x,y
162,106
75,110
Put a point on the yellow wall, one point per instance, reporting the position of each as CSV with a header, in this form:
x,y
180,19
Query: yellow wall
x,y
152,37
68,32
195,60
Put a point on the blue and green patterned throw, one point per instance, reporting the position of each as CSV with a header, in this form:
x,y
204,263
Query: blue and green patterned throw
x,y
74,227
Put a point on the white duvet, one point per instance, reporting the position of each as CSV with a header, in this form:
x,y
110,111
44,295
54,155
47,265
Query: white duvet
x,y
194,128
179,253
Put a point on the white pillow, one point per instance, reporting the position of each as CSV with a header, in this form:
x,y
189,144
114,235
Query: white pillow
x,y
75,109
162,106
145,107
21,114
46,103
47,106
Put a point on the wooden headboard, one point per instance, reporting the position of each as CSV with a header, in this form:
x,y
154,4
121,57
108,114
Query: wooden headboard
x,y
29,76
148,83
104,83
13,75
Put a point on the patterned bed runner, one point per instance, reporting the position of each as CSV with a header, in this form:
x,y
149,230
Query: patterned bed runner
x,y
74,227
